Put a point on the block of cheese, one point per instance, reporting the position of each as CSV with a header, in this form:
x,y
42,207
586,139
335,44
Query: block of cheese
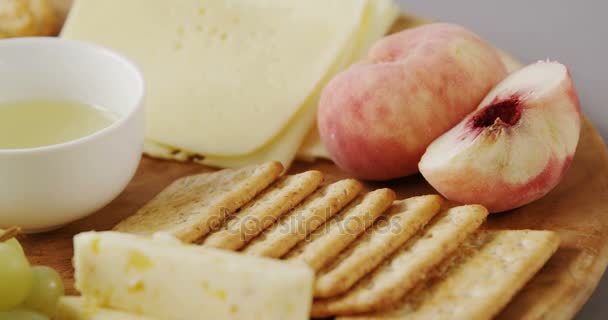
x,y
78,308
224,77
383,15
169,280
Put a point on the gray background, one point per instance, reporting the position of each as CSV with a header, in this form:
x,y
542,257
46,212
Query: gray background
x,y
572,32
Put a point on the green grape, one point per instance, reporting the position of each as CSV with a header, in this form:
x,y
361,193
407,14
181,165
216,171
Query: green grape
x,y
15,276
20,314
12,242
47,287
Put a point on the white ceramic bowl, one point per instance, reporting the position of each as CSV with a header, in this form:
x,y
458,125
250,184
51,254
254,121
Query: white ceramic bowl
x,y
47,187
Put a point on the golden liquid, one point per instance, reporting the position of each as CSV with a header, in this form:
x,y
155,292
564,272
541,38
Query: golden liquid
x,y
37,123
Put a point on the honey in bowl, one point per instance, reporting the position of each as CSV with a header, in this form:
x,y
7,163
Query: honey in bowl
x,y
37,123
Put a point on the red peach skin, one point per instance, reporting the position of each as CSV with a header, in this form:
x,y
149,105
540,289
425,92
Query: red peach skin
x,y
515,147
377,118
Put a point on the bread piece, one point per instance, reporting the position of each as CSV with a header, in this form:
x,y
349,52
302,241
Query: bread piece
x,y
22,18
62,8
405,219
16,19
47,21
192,206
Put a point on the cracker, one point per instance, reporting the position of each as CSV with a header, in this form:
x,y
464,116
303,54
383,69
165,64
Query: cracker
x,y
16,19
326,243
489,270
408,265
264,210
405,219
277,240
192,206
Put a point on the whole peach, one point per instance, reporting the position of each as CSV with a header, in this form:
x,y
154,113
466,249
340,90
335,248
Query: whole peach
x,y
377,118
515,147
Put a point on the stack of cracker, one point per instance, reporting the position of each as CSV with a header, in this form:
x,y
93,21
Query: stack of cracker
x,y
375,257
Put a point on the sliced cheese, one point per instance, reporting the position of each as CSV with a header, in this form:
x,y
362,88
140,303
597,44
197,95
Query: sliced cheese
x,y
284,147
168,280
157,150
376,21
384,13
224,77
77,308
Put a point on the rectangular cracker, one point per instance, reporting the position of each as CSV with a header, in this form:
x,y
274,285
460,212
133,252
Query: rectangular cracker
x,y
277,240
264,210
326,243
404,219
407,266
488,271
192,206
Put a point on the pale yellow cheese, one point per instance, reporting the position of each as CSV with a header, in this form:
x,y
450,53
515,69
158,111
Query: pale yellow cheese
x,y
382,16
285,146
77,308
384,13
282,148
224,77
157,150
168,280
376,21
378,18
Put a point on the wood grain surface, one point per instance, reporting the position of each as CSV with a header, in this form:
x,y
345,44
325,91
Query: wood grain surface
x,y
577,209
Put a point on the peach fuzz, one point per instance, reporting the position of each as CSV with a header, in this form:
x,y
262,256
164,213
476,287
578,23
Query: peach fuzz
x,y
515,147
377,118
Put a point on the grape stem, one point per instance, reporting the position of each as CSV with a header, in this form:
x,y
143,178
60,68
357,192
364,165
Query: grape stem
x,y
10,233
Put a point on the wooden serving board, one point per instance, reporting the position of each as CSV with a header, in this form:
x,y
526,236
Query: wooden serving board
x,y
577,209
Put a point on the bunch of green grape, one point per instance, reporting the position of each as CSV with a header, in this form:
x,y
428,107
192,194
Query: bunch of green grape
x,y
26,293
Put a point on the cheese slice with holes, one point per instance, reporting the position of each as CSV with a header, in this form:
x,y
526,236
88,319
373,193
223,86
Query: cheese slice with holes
x,y
168,280
224,77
